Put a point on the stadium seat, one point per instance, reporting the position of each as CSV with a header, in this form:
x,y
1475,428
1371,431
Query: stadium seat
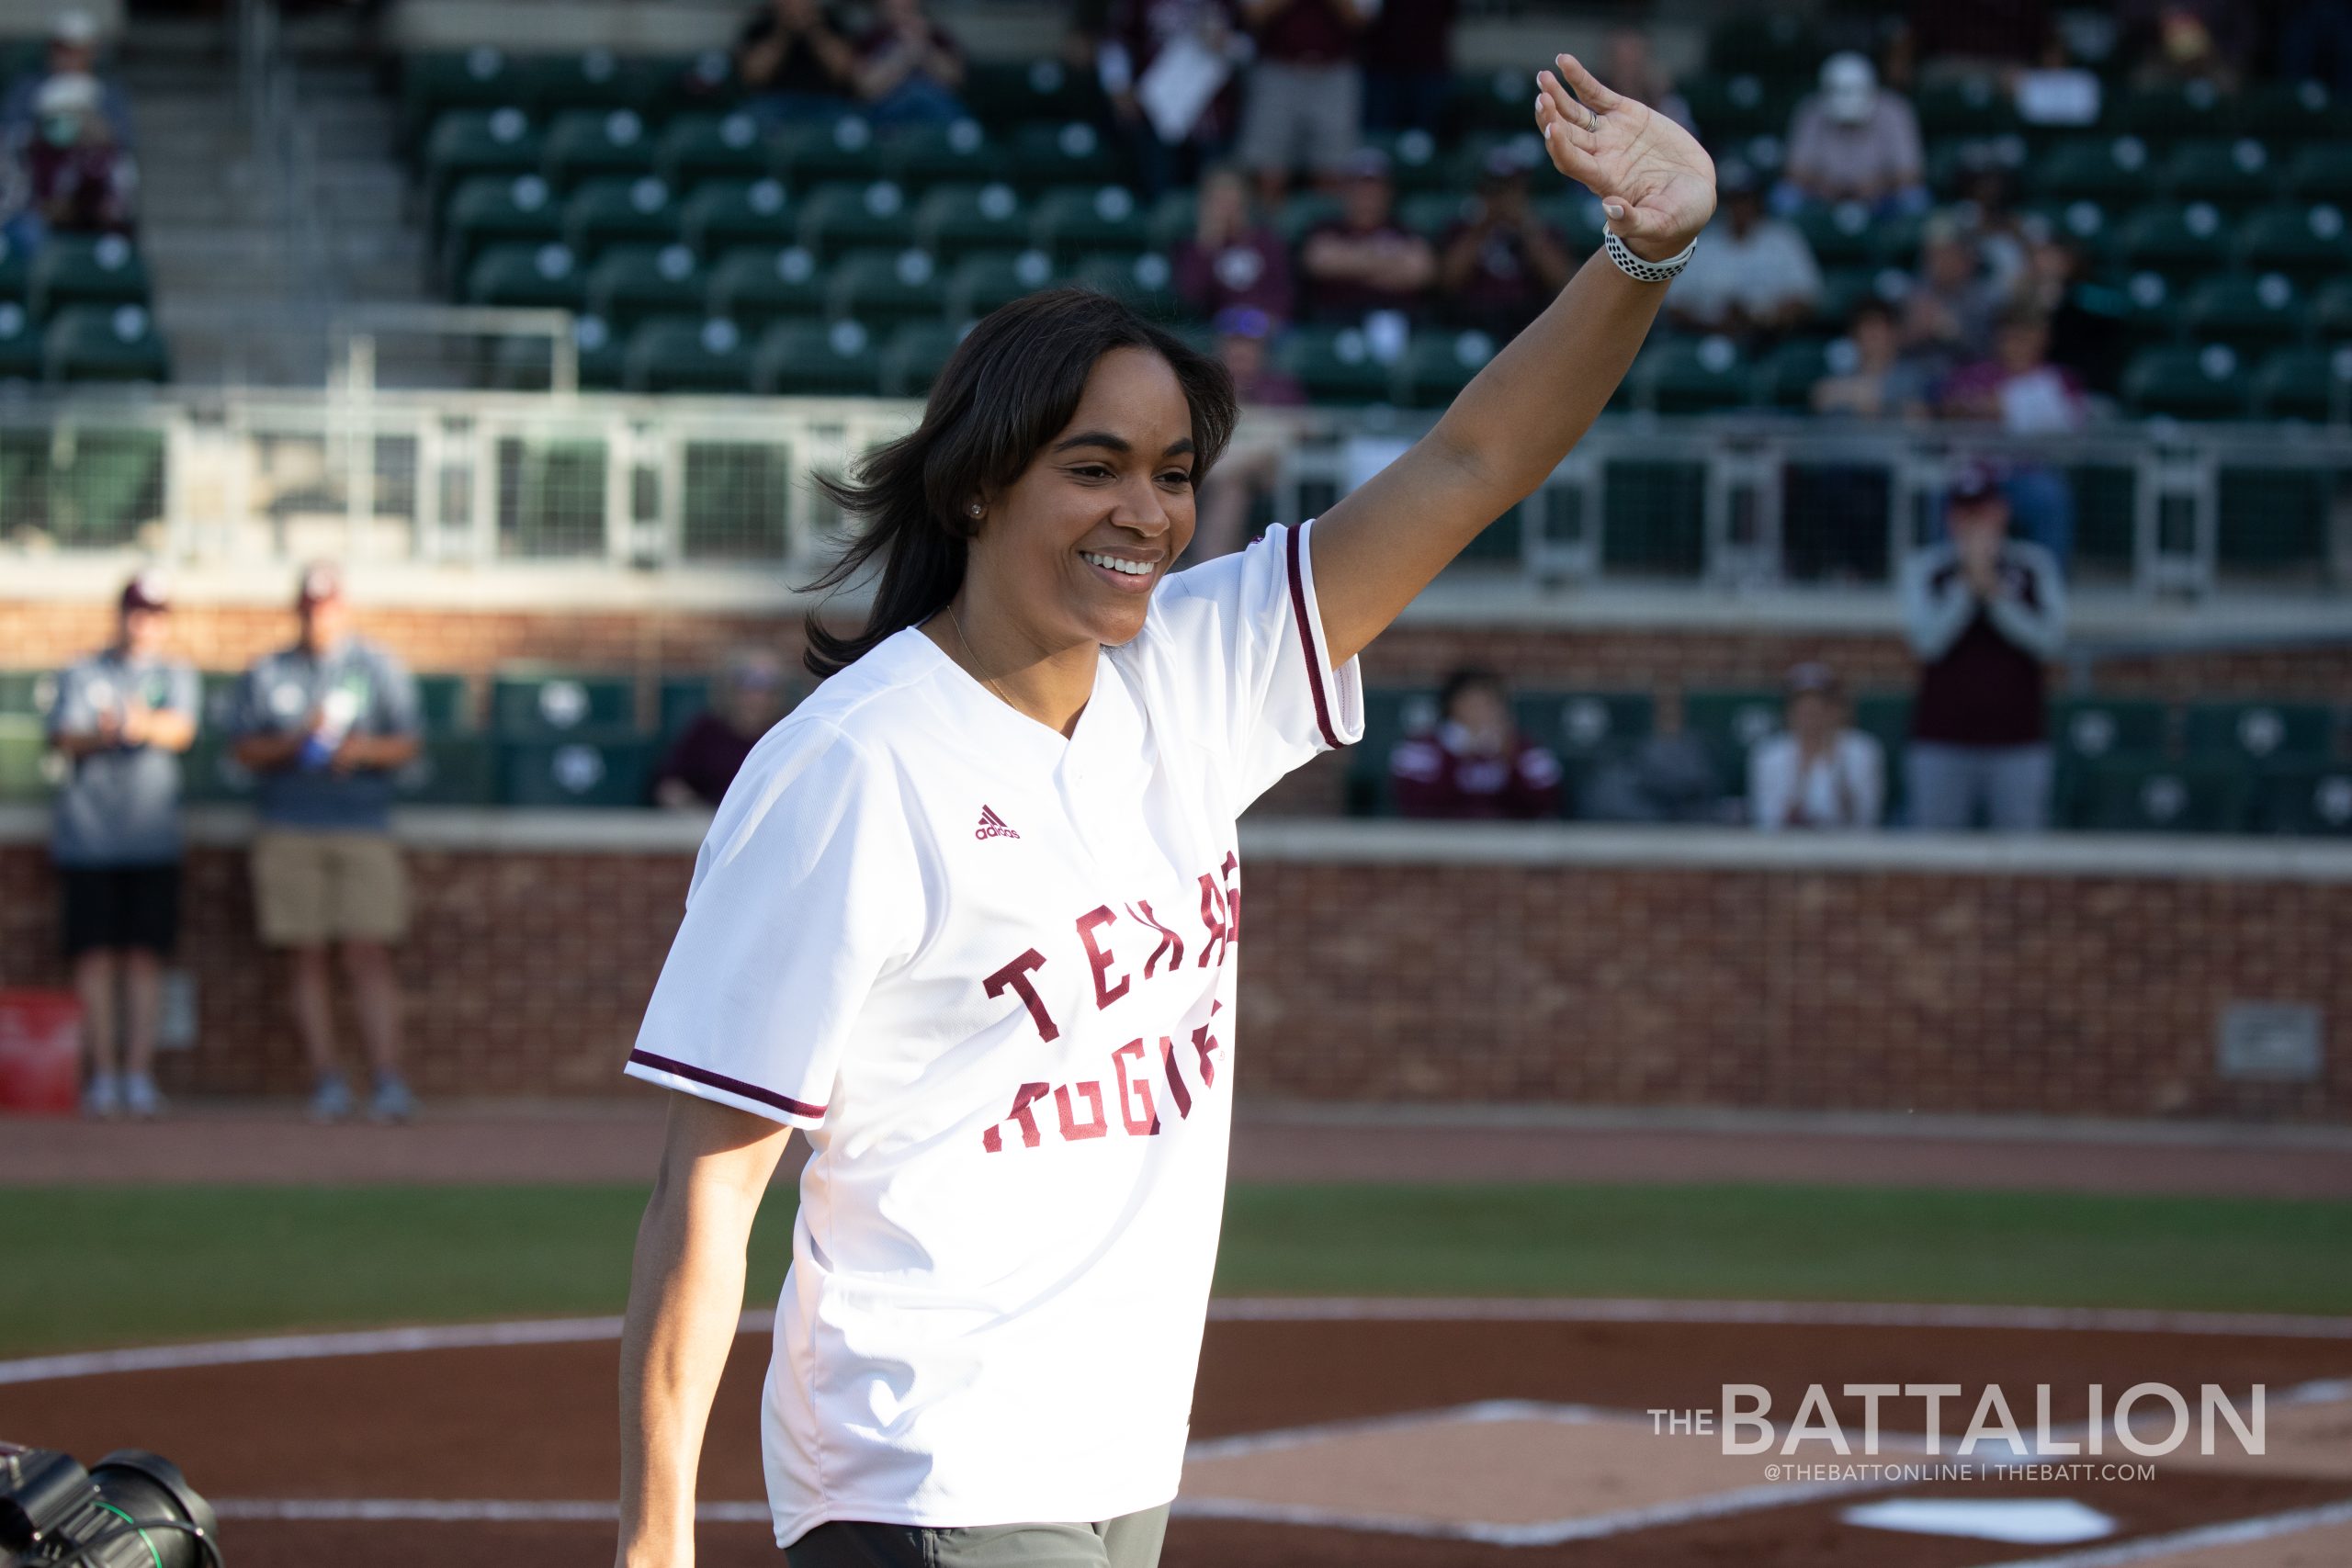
x,y
599,771
1693,375
449,770
20,345
2309,384
818,357
1842,234
722,214
2086,224
631,283
2109,169
1337,364
2192,381
1005,93
596,80
2149,308
1414,164
464,142
1172,221
1786,376
1780,43
16,269
1439,363
702,146
1390,714
2306,241
684,698
1073,154
848,215
2134,796
2096,729
1729,722
2184,241
27,694
1974,105
1492,100
2291,112
920,156
1072,221
554,703
1429,213
2248,313
687,354
980,283
617,211
489,210
547,276
443,702
583,144
754,284
24,766
1886,717
105,343
2322,172
913,357
817,152
1733,106
210,773
85,269
599,351
2169,111
2306,800
2332,311
882,287
2264,733
1575,215
953,221
1146,282
431,84
2232,173
1305,211
1583,728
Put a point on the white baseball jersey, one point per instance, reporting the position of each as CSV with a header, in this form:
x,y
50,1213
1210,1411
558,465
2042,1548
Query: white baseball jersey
x,y
990,971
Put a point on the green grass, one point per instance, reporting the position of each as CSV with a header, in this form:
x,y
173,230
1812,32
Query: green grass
x,y
82,1267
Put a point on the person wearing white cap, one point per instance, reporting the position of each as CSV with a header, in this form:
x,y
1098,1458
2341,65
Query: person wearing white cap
x,y
1855,140
1817,770
82,183
74,39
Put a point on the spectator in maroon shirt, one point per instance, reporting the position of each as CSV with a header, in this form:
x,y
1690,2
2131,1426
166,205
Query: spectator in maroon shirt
x,y
748,698
909,67
1139,32
1252,461
1304,104
1366,261
1409,65
1499,265
82,181
1475,763
1233,258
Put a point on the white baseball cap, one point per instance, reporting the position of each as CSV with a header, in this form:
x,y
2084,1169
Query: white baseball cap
x,y
78,28
1849,87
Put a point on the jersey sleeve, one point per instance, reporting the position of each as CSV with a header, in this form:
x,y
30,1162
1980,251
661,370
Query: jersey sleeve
x,y
1243,641
807,890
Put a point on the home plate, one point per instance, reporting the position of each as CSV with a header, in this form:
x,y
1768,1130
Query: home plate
x,y
2031,1521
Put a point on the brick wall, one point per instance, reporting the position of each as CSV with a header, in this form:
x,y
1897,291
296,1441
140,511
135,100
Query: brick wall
x,y
1872,987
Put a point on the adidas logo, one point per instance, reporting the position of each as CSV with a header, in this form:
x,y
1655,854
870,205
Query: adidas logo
x,y
993,825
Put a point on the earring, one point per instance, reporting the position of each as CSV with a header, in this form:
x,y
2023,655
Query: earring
x,y
975,509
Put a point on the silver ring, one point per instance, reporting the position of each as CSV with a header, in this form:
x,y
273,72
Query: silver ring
x,y
1591,121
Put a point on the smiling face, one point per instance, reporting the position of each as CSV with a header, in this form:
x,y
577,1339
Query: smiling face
x,y
1070,551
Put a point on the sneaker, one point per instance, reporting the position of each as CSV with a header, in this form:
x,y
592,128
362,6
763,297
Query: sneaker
x,y
102,1096
391,1102
331,1101
140,1098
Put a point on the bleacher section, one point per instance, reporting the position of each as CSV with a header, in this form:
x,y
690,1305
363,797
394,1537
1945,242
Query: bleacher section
x,y
639,193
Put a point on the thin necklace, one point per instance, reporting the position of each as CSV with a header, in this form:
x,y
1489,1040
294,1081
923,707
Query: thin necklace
x,y
958,622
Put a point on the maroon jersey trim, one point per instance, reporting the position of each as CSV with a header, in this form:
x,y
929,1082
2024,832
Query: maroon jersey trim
x,y
1306,635
733,1086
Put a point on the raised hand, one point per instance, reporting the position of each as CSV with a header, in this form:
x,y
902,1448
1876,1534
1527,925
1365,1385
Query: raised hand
x,y
1656,182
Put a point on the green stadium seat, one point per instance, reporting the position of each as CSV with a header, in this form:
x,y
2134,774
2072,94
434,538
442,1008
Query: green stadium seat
x,y
1390,714
1575,214
1304,212
554,703
980,283
2306,241
1007,93
2169,111
589,771
2085,733
816,152
2262,734
630,284
684,354
953,221
450,770
754,284
1499,99
1583,728
2332,311
2248,313
722,214
1964,106
1781,44
818,359
431,85
2188,381
704,83
1886,717
105,343
2132,797
1146,282
702,146
1693,375
845,216
1414,163
27,694
599,350
16,270
1337,364
2322,172
584,144
2309,383
2086,225
1839,235
210,773
1174,219
2291,112
882,287
548,277
25,765
489,210
85,269
1071,221
2149,308
2109,169
596,80
620,212
1073,154
1429,213
1728,723
1731,107
1786,376
445,704
2232,173
20,345
915,355
464,142
920,156
1438,364
2183,241
2306,800
684,698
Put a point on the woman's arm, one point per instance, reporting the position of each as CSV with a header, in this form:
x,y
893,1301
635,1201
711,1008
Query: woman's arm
x,y
1382,545
686,1297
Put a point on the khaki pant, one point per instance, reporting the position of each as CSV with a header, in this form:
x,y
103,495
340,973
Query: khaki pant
x,y
1131,1541
312,886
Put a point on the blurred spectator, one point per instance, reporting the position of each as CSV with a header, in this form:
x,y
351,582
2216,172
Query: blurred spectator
x,y
1818,771
1475,763
1667,777
2028,396
1166,68
1632,73
1302,106
909,67
324,723
747,699
1409,65
2315,43
1232,258
795,62
1254,460
2086,317
1755,276
1499,265
1987,218
1366,261
1983,612
1881,384
73,51
1855,140
1979,34
1948,312
121,721
78,181
2187,40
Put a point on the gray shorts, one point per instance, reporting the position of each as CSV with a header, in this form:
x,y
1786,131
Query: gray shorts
x,y
1297,117
1131,1541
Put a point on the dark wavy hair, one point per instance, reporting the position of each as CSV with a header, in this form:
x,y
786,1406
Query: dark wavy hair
x,y
1010,386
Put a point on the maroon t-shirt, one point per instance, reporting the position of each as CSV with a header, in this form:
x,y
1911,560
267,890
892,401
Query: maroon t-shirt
x,y
1412,36
1432,779
1985,690
1252,270
1350,299
705,756
1307,32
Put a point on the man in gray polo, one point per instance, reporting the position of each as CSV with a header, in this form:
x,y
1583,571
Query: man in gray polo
x,y
324,723
121,721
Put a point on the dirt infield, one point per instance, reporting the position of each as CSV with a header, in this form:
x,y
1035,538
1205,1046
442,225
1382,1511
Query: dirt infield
x,y
1326,1434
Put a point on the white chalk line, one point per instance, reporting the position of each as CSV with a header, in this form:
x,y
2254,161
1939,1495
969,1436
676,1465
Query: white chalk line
x,y
1243,1309
2231,1532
